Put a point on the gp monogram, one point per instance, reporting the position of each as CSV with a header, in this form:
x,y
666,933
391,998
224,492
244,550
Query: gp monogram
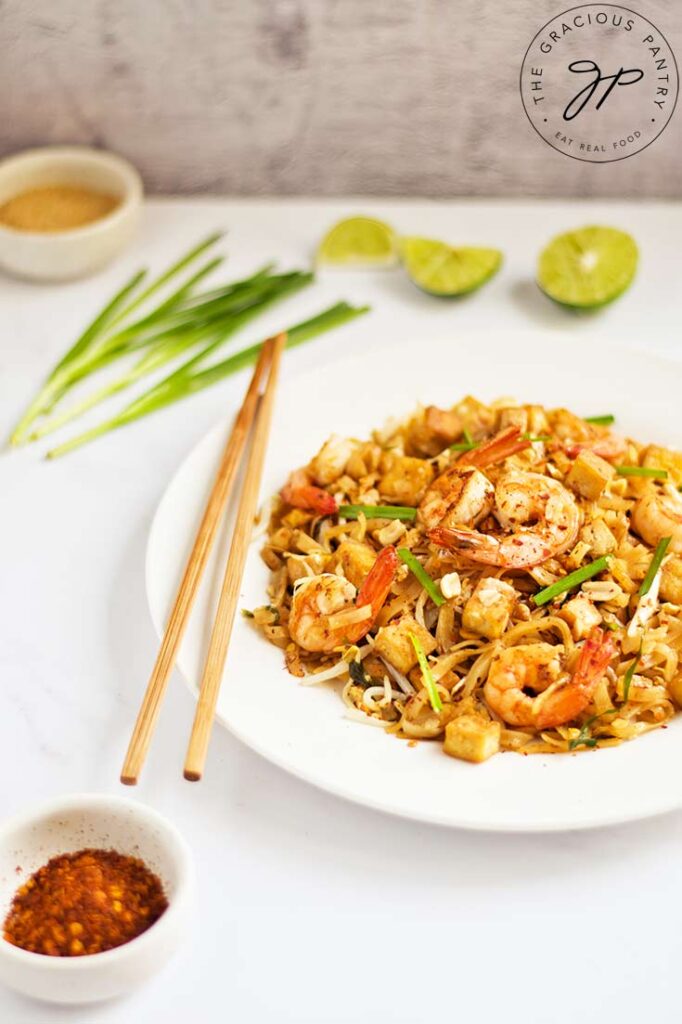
x,y
599,83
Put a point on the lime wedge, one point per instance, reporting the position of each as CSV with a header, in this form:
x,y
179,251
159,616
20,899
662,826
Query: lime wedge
x,y
440,269
589,267
359,242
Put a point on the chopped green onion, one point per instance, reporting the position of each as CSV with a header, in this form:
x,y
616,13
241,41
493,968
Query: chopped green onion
x,y
420,573
534,438
574,579
247,614
627,680
601,421
615,627
584,736
655,565
462,447
466,445
654,473
378,512
429,683
358,674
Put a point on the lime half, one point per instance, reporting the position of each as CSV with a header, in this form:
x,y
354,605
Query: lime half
x,y
359,242
440,269
589,267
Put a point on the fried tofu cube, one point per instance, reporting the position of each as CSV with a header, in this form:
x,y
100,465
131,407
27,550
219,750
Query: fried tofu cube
x,y
356,559
598,537
664,458
404,479
488,609
671,581
569,427
589,475
394,644
472,738
513,416
444,424
330,462
581,615
432,430
475,416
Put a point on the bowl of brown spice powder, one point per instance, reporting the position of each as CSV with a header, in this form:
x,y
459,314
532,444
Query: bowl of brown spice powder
x,y
65,211
95,896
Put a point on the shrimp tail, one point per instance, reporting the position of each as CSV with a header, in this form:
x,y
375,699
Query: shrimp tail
x,y
378,580
568,702
507,442
608,448
469,542
594,658
300,493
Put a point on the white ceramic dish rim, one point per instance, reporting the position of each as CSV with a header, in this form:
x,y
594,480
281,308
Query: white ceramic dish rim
x,y
130,178
172,839
385,805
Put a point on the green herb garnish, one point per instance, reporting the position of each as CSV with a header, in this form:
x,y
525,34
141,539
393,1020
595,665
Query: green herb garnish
x,y
429,683
650,471
533,438
466,445
247,614
627,679
358,674
420,573
378,512
655,565
584,736
601,421
574,579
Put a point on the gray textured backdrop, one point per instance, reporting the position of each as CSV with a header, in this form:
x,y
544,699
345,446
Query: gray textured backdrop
x,y
393,97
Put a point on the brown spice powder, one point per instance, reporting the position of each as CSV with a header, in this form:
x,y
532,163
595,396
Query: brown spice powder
x,y
84,902
57,208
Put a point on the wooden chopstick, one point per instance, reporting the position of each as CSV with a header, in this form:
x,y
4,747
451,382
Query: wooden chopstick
x,y
229,594
196,563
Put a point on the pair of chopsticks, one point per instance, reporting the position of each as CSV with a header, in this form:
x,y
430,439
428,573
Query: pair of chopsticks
x,y
256,412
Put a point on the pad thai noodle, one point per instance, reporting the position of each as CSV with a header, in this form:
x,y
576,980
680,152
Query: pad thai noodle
x,y
494,577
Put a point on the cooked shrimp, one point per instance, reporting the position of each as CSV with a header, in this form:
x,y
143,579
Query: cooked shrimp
x,y
609,447
463,495
299,492
539,513
658,514
539,668
325,612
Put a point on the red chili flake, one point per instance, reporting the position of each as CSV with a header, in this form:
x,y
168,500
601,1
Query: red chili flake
x,y
84,902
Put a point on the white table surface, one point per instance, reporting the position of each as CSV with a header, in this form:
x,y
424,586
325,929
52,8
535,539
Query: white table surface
x,y
310,909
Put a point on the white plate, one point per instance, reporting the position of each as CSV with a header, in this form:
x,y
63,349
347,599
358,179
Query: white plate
x,y
303,729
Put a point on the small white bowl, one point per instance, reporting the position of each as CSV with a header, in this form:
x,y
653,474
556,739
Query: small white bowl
x,y
65,255
70,824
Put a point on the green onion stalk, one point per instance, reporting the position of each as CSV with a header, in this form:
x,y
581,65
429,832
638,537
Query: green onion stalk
x,y
213,332
93,340
189,378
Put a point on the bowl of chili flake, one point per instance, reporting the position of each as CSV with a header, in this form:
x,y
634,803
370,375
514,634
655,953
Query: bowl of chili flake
x,y
95,896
